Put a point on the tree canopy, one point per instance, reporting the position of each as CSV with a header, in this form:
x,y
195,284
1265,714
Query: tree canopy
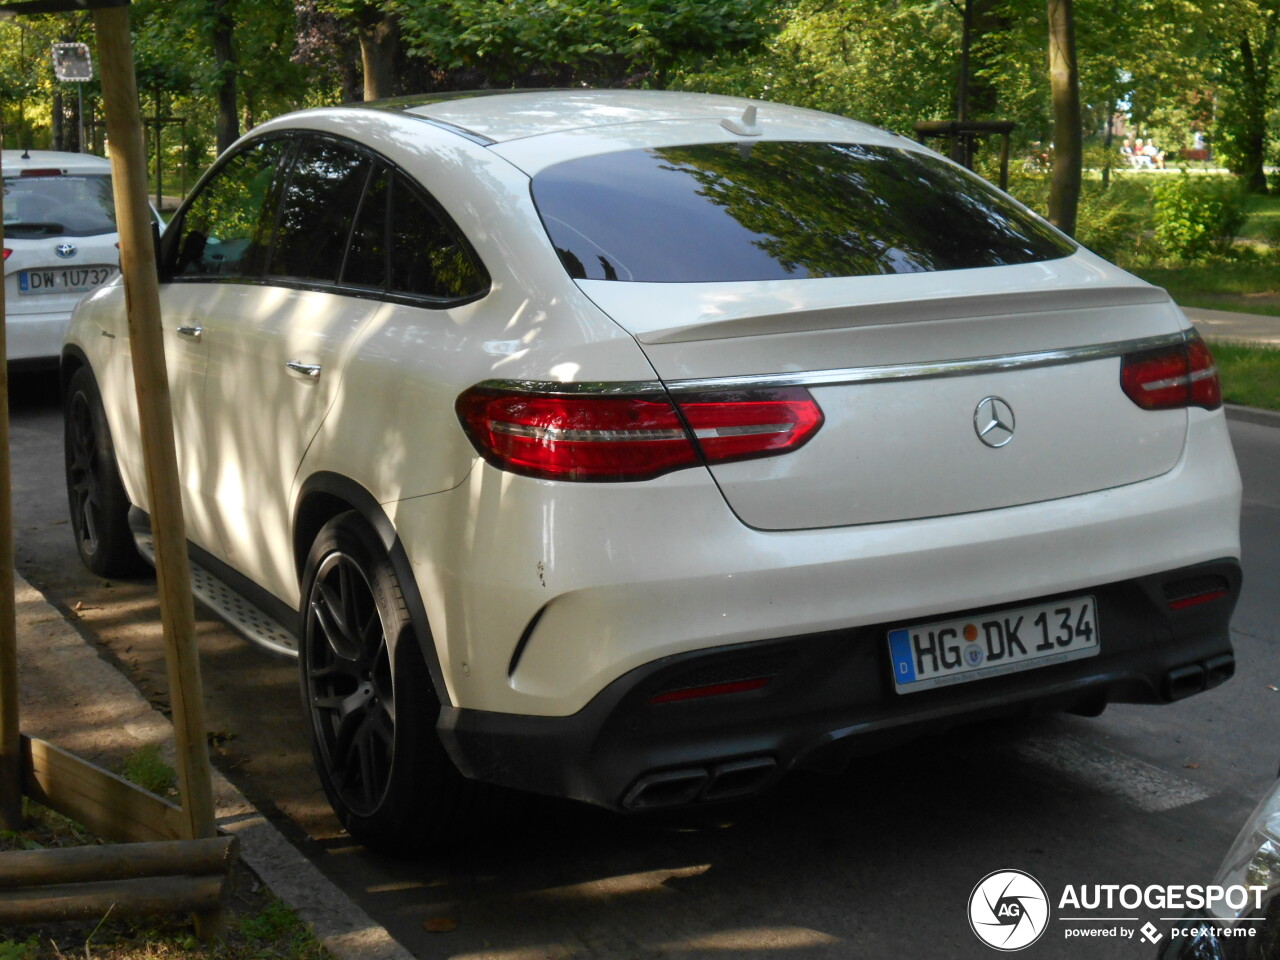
x,y
1180,71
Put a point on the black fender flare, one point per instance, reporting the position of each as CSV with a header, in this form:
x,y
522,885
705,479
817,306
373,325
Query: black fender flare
x,y
324,495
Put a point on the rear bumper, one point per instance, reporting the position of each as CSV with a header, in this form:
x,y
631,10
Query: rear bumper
x,y
36,336
828,697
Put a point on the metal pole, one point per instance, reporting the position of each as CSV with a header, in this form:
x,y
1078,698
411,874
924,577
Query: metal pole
x,y
10,735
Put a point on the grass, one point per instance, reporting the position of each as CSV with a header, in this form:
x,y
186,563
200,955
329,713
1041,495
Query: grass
x,y
259,925
1242,286
1264,220
147,769
1250,374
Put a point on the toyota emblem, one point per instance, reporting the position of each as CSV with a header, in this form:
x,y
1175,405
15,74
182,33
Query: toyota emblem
x,y
65,250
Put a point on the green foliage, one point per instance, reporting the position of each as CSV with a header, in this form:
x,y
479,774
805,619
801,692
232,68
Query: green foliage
x,y
19,949
147,768
1113,222
513,41
882,62
1196,217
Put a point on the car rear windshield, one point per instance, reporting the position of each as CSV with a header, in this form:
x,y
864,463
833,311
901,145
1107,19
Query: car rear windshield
x,y
779,210
58,206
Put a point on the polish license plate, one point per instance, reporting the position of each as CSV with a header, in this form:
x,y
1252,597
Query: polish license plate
x,y
63,279
948,652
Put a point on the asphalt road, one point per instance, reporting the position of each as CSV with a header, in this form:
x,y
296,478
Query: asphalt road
x,y
878,862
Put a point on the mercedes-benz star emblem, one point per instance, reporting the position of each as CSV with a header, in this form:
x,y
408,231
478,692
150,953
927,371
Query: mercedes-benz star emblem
x,y
993,421
65,250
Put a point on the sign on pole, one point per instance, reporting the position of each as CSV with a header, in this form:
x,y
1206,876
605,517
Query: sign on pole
x,y
71,62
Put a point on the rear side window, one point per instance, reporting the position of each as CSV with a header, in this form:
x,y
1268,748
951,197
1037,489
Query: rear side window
x,y
779,210
320,202
224,231
366,264
58,206
429,257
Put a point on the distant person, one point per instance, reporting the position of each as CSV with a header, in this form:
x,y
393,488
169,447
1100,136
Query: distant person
x,y
1154,155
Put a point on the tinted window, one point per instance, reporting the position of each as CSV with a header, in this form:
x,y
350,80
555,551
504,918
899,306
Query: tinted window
x,y
429,258
223,230
58,206
773,210
319,205
367,255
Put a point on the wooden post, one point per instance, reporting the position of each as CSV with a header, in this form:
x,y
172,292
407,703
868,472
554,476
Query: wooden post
x,y
10,740
137,258
155,418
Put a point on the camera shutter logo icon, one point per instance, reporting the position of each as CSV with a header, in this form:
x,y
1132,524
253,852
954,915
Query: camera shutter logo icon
x,y
1008,910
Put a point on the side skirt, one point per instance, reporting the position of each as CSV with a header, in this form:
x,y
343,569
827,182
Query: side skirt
x,y
255,614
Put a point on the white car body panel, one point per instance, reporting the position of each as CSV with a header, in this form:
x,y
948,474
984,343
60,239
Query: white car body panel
x,y
1076,430
617,595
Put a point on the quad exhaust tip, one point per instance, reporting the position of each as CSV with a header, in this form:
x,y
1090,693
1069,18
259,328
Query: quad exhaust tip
x,y
724,781
1198,677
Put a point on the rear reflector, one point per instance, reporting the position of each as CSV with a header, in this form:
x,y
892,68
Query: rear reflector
x,y
1199,598
600,436
1169,378
713,690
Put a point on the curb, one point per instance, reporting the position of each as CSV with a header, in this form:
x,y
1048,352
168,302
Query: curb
x,y
69,694
1262,418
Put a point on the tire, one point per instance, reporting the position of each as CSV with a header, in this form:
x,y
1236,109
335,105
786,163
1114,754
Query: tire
x,y
369,700
96,497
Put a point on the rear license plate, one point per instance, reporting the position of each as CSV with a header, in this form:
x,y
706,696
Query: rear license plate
x,y
63,279
992,644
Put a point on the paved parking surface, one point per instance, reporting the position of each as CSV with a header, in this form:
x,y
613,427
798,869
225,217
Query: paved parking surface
x,y
878,861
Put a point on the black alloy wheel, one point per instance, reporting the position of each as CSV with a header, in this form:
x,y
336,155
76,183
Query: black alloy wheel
x,y
369,699
96,498
349,683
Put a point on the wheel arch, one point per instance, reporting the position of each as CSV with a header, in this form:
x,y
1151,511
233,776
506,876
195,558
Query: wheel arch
x,y
73,358
324,496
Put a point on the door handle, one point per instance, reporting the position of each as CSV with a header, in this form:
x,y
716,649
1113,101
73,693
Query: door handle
x,y
309,371
192,333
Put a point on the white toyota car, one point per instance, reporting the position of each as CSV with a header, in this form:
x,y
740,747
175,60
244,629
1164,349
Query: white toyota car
x,y
59,243
640,447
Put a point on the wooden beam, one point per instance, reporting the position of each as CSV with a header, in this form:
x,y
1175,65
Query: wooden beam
x,y
121,861
10,745
155,416
142,896
110,806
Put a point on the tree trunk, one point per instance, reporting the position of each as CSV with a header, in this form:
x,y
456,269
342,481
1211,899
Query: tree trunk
x,y
1254,106
58,122
379,49
1068,147
224,54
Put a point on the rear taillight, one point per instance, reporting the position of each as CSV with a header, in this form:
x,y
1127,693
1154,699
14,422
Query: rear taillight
x,y
36,172
604,437
1166,378
7,251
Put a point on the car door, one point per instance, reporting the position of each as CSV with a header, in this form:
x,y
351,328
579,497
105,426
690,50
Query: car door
x,y
276,350
216,254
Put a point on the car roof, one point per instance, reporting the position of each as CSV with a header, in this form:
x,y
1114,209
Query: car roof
x,y
499,116
16,161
